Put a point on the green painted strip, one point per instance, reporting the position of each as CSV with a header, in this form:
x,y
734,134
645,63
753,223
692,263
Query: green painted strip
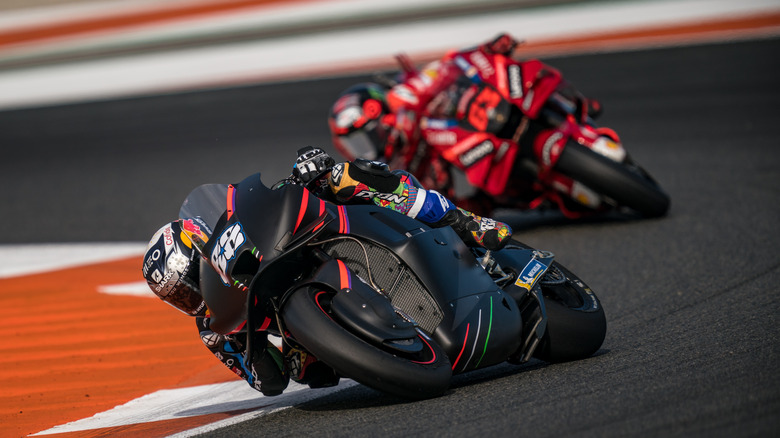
x,y
487,338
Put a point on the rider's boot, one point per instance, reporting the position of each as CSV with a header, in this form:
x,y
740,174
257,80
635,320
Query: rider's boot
x,y
306,369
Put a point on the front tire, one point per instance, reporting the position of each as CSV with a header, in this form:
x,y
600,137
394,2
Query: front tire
x,y
628,186
576,324
420,375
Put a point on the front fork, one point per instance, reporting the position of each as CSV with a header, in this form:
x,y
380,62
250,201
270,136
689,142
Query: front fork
x,y
527,291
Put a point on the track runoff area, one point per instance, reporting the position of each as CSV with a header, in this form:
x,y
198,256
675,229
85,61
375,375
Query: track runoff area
x,y
95,364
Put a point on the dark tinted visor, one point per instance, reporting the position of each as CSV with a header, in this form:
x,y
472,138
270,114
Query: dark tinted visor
x,y
366,143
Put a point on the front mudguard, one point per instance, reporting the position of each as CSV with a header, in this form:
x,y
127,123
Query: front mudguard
x,y
483,329
361,309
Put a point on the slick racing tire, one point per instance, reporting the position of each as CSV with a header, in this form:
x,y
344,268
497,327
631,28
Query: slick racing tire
x,y
626,184
576,324
419,375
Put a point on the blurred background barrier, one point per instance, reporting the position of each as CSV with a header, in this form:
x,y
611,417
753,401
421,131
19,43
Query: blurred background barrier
x,y
78,51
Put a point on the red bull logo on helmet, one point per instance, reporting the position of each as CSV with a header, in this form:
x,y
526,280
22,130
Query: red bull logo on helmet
x,y
194,232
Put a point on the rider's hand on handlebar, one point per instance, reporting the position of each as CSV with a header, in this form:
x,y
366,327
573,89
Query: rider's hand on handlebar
x,y
503,44
312,163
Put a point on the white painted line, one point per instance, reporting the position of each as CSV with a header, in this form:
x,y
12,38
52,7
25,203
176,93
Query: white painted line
x,y
27,259
266,17
276,13
301,397
171,404
135,289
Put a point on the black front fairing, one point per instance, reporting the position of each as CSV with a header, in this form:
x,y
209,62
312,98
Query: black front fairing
x,y
249,227
274,221
264,235
259,223
256,223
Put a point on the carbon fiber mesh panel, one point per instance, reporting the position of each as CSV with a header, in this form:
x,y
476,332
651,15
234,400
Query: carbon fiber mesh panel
x,y
392,276
410,296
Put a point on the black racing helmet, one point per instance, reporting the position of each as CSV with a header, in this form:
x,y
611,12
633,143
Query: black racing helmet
x,y
171,267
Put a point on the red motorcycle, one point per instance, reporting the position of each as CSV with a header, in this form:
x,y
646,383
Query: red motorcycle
x,y
554,154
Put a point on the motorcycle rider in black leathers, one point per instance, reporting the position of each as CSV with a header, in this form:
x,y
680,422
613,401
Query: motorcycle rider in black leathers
x,y
171,263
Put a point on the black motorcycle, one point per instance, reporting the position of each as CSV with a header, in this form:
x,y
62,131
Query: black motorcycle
x,y
381,298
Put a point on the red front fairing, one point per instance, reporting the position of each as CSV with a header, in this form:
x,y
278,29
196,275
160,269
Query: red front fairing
x,y
538,81
526,84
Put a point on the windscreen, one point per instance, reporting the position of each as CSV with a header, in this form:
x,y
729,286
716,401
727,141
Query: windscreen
x,y
201,211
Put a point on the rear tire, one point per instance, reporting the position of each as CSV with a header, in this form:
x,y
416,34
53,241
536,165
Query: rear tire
x,y
414,376
629,186
576,324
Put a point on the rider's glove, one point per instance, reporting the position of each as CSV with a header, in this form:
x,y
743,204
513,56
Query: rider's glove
x,y
588,108
311,166
503,44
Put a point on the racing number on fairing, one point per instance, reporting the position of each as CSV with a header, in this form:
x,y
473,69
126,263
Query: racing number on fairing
x,y
479,110
225,250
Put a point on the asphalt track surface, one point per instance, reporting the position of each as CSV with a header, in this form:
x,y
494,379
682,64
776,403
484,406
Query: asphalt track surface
x,y
691,299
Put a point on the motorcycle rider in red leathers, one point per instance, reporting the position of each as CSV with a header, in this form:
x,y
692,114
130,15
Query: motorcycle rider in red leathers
x,y
171,264
454,113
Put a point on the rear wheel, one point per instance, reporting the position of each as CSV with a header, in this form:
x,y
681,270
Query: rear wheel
x,y
628,185
576,324
417,375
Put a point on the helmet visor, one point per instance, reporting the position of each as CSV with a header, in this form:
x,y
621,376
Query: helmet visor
x,y
365,143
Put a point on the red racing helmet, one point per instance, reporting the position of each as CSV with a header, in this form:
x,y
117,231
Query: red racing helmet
x,y
358,122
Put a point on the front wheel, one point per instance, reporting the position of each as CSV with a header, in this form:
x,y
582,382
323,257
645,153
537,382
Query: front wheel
x,y
627,186
576,324
418,375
